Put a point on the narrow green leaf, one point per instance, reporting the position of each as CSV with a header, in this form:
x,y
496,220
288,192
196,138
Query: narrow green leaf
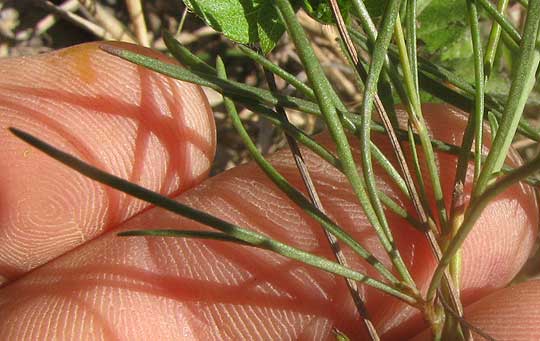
x,y
251,237
296,196
325,95
183,55
475,210
522,83
255,99
183,234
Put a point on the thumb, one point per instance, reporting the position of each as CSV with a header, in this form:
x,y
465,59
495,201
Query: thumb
x,y
125,119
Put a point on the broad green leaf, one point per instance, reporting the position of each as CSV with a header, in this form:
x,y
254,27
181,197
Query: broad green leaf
x,y
321,11
243,21
461,48
269,26
442,22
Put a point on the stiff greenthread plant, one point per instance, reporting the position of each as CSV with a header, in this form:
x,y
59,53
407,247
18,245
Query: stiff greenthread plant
x,y
379,38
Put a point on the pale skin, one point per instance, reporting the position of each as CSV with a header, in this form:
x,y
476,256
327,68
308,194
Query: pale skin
x,y
66,275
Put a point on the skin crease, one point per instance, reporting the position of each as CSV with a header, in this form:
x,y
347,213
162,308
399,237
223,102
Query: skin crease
x,y
163,288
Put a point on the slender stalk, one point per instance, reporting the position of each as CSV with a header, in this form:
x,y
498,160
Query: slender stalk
x,y
322,89
391,71
183,17
522,83
411,42
417,169
275,69
414,112
370,88
493,41
298,197
501,20
252,98
451,88
353,54
475,210
315,199
450,289
186,57
493,125
472,12
417,121
326,155
474,132
183,55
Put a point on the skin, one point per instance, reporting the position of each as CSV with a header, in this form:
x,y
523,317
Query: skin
x,y
66,274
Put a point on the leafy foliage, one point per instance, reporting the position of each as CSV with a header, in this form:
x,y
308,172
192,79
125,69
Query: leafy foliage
x,y
243,21
442,23
257,21
321,10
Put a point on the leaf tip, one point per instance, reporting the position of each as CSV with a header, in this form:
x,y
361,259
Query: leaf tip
x,y
115,51
20,134
127,234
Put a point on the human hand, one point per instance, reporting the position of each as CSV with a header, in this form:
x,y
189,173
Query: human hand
x,y
68,276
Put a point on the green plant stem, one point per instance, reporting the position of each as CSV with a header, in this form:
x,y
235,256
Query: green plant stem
x,y
322,88
371,31
298,197
479,85
473,213
411,43
182,21
326,155
501,20
418,123
493,41
474,131
456,90
183,55
417,168
252,98
275,69
314,197
370,95
186,57
370,89
522,83
424,211
251,237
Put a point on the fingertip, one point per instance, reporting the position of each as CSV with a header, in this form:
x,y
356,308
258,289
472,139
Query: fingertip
x,y
120,117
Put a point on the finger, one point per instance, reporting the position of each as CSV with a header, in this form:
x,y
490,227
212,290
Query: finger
x,y
511,313
120,117
158,288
